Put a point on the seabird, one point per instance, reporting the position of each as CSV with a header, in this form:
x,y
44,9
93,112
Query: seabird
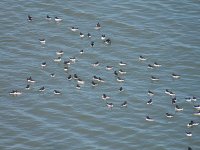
x,y
89,35
150,93
27,87
60,52
44,64
82,35
69,77
192,123
105,97
109,105
156,64
149,118
42,89
175,76
168,115
124,104
121,89
52,75
149,102
81,51
15,92
95,64
58,19
30,80
107,41
98,26
42,41
92,43
141,58
188,133
57,59
74,29
48,17
56,92
122,63
30,18
177,108
109,67
153,78
103,37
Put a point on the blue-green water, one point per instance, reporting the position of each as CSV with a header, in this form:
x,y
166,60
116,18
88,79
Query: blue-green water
x,y
167,32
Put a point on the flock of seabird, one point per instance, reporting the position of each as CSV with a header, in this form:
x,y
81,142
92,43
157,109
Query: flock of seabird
x,y
118,74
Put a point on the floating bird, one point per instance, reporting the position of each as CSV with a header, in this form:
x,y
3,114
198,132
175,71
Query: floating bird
x,y
30,18
156,64
188,133
120,79
107,41
150,66
42,89
122,63
169,115
72,59
44,64
94,83
69,77
115,73
56,92
174,100
103,37
122,71
48,17
66,68
150,93
60,52
153,78
177,108
27,87
42,41
82,35
74,29
192,123
81,51
149,102
197,113
109,67
95,64
105,97
175,76
124,104
67,62
57,59
75,76
168,92
15,93
141,58
197,107
149,118
78,86
121,89
95,78
80,81
89,35
52,75
58,19
92,44
101,80
109,105
98,26
30,80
